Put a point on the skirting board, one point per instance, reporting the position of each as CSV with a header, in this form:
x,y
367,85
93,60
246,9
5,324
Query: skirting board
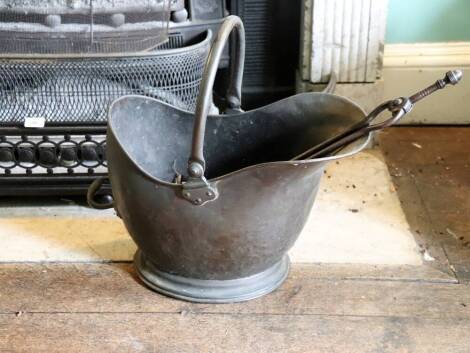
x,y
411,67
423,55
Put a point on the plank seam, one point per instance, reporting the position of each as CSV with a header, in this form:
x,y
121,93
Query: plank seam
x,y
195,313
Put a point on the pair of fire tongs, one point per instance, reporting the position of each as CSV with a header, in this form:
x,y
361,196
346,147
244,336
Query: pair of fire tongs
x,y
398,107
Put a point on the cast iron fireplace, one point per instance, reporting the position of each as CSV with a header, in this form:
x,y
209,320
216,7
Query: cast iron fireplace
x,y
63,62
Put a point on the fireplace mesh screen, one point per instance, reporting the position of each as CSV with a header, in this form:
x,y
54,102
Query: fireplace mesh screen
x,y
77,91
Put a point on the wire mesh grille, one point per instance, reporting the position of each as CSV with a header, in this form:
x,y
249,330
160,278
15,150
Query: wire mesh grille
x,y
77,91
83,26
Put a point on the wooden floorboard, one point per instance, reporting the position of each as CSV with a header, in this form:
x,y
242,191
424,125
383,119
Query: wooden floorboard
x,y
321,308
114,288
226,333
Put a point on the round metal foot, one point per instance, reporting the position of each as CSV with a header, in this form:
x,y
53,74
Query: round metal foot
x,y
212,291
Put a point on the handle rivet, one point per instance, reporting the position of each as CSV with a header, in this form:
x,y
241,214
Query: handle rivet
x,y
195,170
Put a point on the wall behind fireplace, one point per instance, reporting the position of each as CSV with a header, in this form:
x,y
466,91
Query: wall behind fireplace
x,y
421,21
424,39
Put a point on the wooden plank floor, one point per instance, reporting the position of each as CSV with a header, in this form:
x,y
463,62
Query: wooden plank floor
x,y
321,308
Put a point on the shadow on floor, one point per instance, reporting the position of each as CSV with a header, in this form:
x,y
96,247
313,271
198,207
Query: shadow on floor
x,y
430,166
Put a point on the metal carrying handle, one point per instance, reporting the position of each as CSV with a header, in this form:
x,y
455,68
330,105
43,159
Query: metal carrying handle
x,y
398,107
196,163
91,195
